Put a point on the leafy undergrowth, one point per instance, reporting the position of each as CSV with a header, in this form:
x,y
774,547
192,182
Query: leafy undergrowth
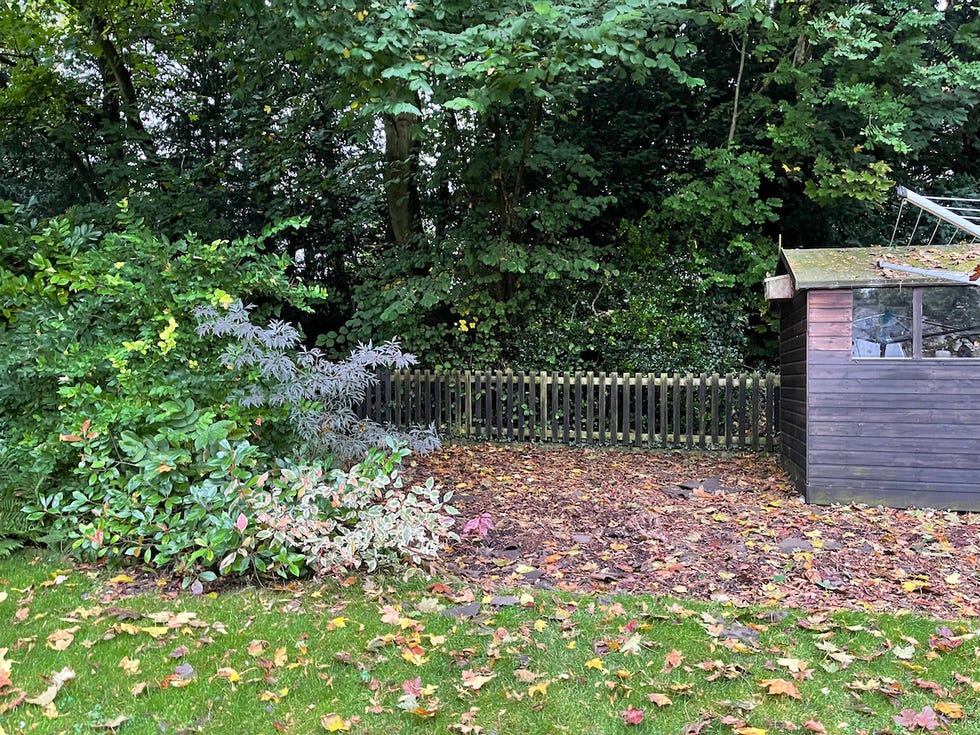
x,y
80,654
711,526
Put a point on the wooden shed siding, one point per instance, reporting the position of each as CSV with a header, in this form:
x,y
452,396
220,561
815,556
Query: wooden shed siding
x,y
893,432
792,397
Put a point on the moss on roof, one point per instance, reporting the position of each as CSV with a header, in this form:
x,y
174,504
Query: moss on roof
x,y
858,267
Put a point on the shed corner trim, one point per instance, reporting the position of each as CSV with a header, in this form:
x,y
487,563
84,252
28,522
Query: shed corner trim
x,y
780,288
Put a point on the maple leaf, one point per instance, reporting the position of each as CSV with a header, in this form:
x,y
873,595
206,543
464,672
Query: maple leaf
x,y
58,680
952,710
229,673
61,639
475,680
672,660
924,718
595,663
130,665
334,723
632,716
661,700
412,686
539,688
781,687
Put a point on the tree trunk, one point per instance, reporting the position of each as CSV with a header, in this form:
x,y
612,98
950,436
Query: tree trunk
x,y
401,164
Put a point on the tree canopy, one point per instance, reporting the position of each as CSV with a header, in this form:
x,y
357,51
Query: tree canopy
x,y
558,185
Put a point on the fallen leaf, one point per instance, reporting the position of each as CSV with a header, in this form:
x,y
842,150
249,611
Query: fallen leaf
x,y
632,716
58,680
334,723
672,660
952,710
539,688
924,718
111,723
750,731
229,673
61,639
475,680
814,726
781,687
129,665
661,700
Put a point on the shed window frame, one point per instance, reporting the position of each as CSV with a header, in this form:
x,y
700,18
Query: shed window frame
x,y
917,329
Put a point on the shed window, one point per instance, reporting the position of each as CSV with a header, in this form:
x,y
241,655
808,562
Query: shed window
x,y
939,322
882,322
951,322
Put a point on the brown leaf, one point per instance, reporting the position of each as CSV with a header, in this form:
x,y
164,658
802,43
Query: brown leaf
x,y
672,660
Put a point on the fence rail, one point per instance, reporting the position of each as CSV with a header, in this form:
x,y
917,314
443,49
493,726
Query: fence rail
x,y
639,410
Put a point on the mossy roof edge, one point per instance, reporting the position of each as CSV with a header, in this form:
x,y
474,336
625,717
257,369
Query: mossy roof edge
x,y
833,268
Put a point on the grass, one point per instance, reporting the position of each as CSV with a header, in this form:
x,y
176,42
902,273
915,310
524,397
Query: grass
x,y
394,656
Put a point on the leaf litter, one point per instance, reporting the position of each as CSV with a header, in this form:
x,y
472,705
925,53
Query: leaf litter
x,y
723,527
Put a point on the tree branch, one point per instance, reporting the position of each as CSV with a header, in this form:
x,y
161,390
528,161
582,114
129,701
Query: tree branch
x,y
738,85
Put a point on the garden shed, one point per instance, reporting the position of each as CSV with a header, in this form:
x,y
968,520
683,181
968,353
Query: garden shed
x,y
880,374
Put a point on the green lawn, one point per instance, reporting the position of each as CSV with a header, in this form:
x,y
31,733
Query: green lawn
x,y
412,655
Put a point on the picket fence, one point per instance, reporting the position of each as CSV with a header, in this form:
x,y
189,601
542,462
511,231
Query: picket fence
x,y
638,410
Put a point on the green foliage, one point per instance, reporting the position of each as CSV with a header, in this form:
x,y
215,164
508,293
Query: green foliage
x,y
101,347
468,170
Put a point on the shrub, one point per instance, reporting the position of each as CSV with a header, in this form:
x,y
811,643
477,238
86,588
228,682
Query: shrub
x,y
360,517
117,409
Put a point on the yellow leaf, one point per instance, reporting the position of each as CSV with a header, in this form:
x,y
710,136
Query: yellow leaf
x,y
750,731
279,659
414,657
540,688
540,625
337,623
121,579
952,710
334,723
595,663
130,665
229,673
953,579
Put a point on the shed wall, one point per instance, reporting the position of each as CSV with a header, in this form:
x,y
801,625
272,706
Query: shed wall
x,y
889,432
792,390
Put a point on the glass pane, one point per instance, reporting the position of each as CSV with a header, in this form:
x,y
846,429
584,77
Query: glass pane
x,y
882,322
951,321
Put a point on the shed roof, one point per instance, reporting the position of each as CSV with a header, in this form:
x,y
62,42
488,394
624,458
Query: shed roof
x,y
828,268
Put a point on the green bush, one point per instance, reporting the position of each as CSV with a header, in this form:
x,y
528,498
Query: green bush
x,y
132,423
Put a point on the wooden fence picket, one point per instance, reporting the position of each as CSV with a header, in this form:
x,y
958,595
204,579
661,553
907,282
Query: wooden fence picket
x,y
637,410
